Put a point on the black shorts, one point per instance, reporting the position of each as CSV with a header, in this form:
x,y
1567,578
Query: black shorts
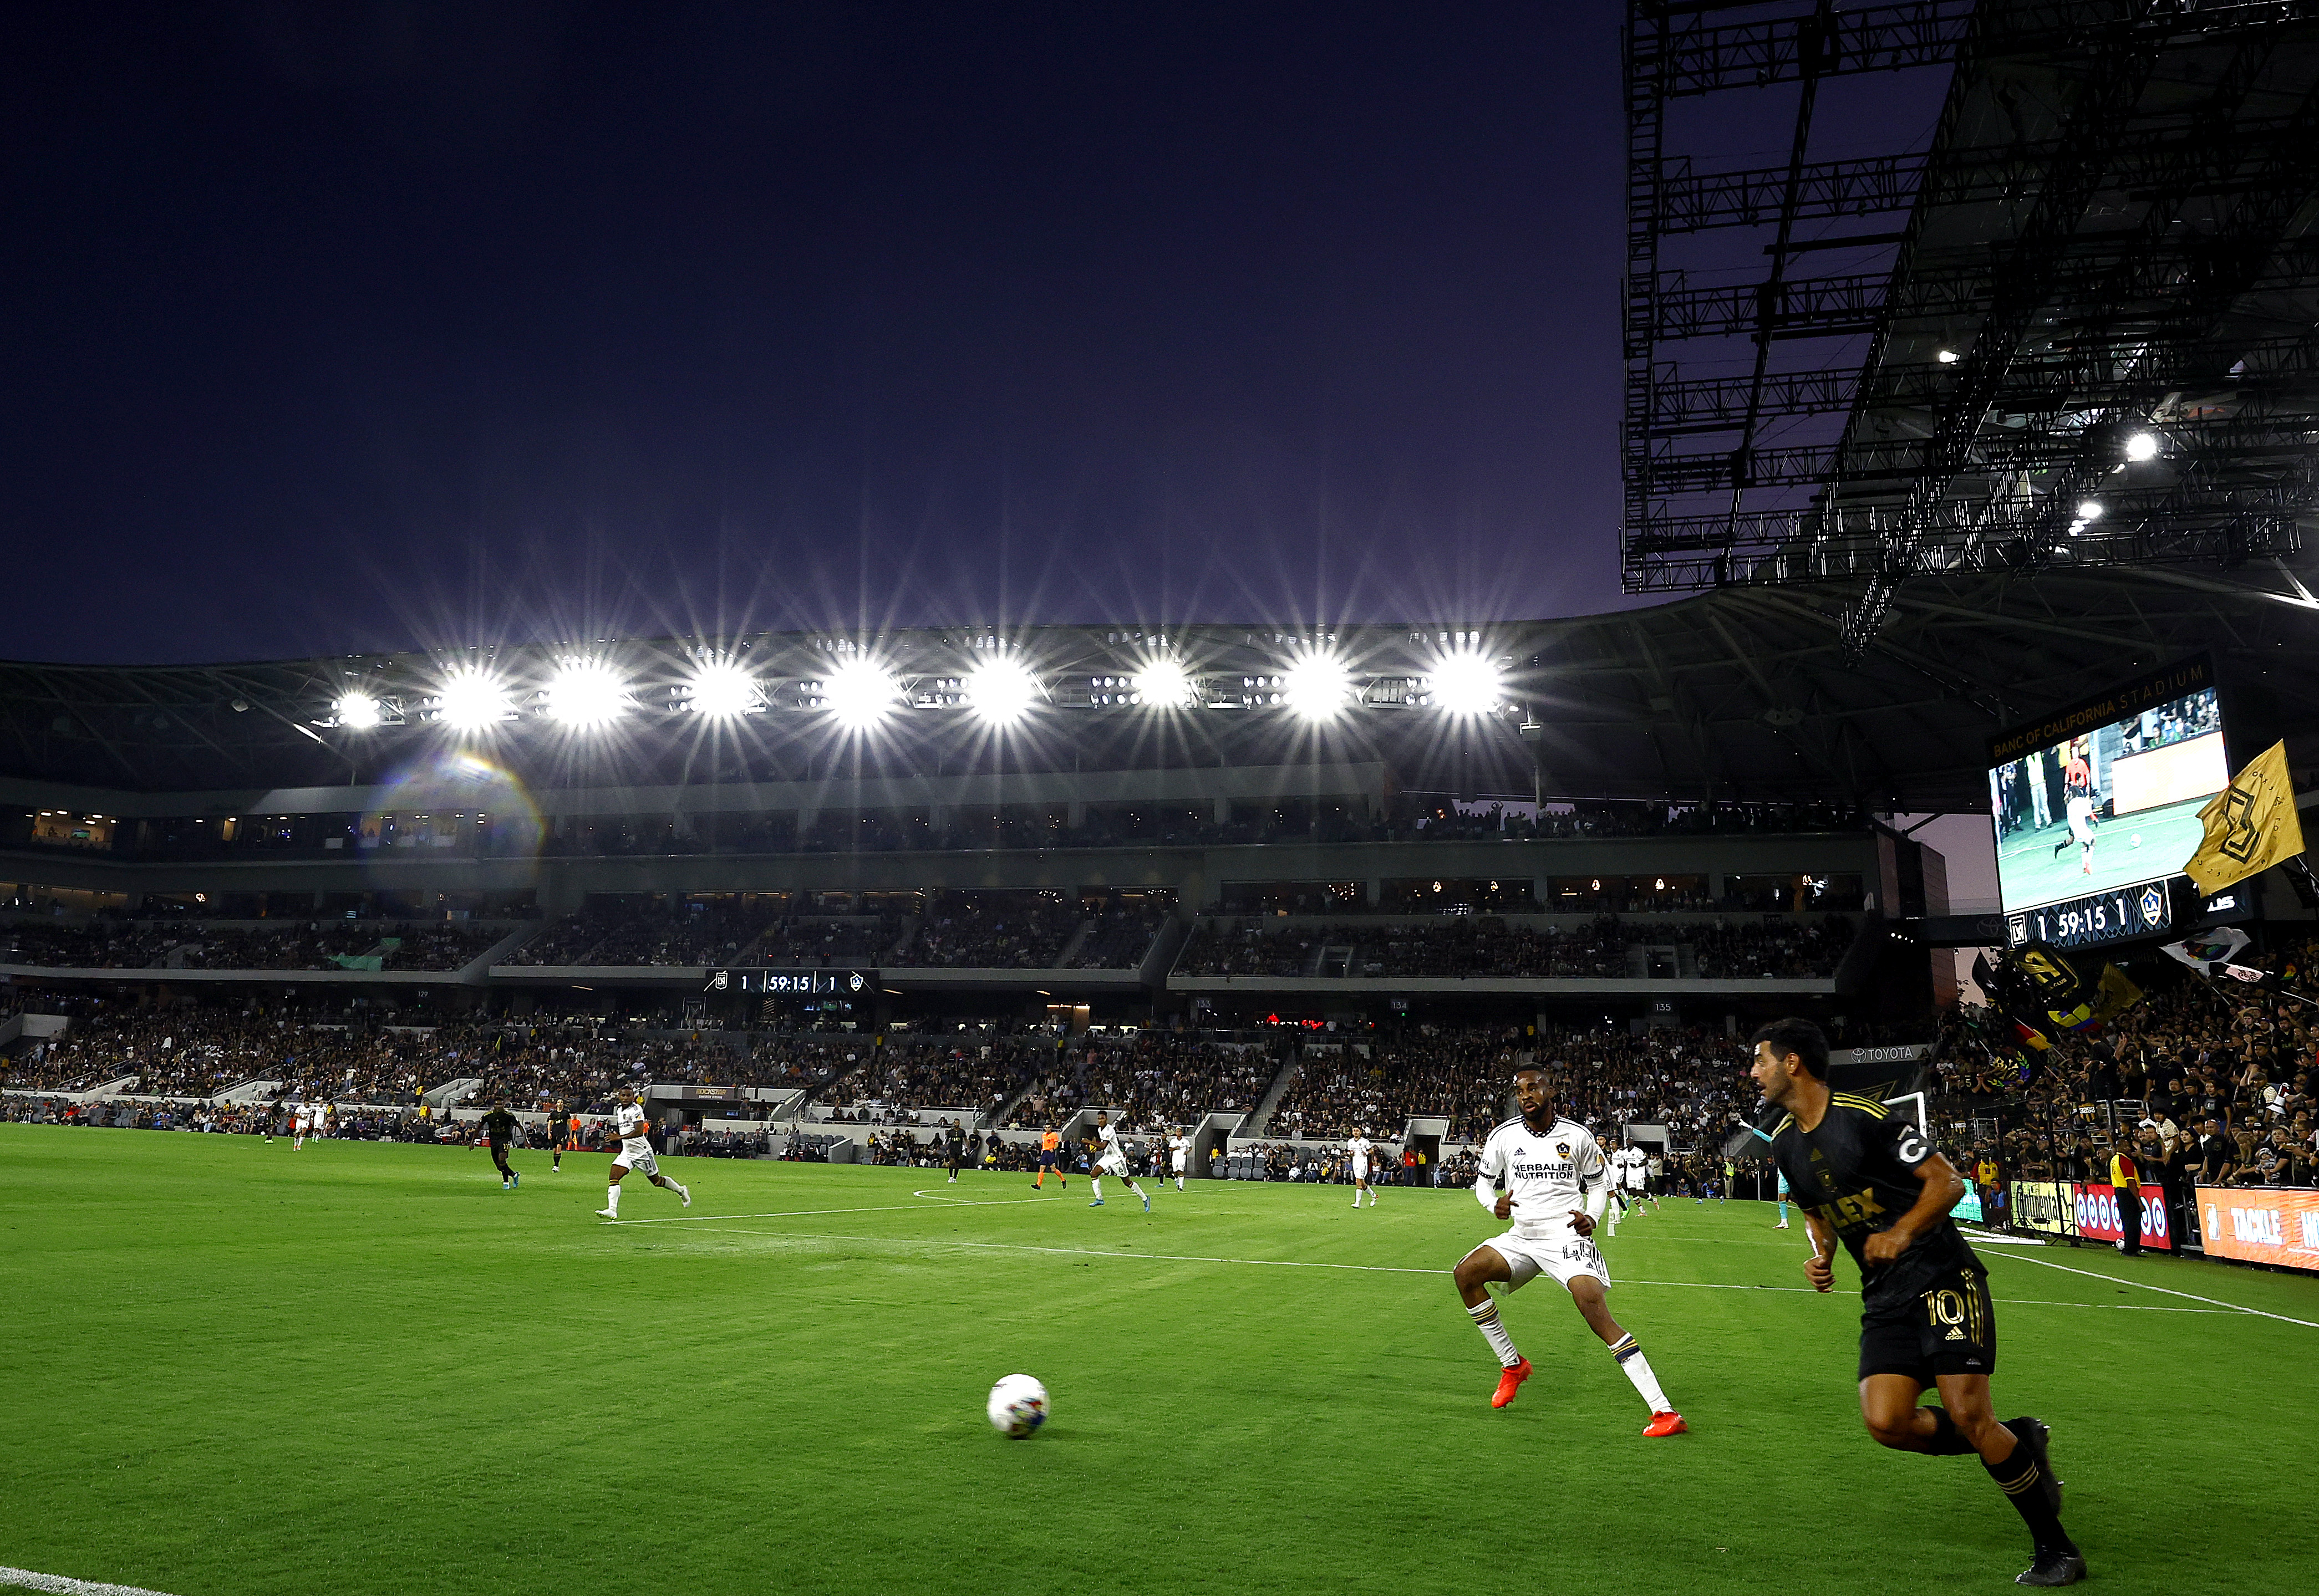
x,y
1047,1157
1948,1328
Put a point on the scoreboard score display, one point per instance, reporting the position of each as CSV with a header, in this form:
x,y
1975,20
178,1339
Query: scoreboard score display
x,y
795,983
2096,807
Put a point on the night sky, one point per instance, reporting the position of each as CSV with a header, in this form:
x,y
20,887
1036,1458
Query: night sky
x,y
348,325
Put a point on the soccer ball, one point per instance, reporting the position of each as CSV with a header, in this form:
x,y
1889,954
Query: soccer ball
x,y
1018,1405
2137,839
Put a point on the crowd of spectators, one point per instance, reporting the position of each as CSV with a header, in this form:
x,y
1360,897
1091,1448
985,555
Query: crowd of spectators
x,y
317,944
1151,1077
2205,1081
992,930
102,944
1122,934
1460,947
977,1070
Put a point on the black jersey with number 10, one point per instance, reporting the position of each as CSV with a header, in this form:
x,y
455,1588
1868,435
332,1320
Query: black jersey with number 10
x,y
1857,1170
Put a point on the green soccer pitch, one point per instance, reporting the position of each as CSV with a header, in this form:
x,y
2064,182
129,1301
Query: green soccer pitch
x,y
364,1368
2034,874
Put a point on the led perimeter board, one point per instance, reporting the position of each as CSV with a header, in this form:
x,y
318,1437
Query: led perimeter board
x,y
2096,806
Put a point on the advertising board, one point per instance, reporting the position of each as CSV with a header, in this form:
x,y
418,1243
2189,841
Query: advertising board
x,y
2263,1224
2095,1208
2043,1206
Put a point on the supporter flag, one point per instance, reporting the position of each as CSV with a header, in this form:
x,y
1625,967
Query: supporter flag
x,y
2048,994
2250,826
2210,953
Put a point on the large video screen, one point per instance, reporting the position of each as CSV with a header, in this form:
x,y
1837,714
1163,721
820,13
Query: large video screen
x,y
2088,819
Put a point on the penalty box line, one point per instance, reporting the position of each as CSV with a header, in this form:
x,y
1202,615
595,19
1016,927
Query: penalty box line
x,y
1282,1263
61,1586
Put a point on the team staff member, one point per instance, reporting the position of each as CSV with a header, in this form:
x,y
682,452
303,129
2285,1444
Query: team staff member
x,y
1868,1179
500,1127
2125,1181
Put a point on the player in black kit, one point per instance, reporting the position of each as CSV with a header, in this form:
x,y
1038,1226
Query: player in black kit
x,y
1864,1175
499,1129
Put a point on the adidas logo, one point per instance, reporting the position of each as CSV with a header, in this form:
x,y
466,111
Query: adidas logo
x,y
1955,1335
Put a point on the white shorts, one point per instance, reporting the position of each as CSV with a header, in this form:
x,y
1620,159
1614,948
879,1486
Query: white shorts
x,y
1360,1170
1115,1166
1563,1258
637,1155
1179,1165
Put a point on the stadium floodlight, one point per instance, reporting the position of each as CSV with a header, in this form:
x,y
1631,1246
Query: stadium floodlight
x,y
2142,446
2089,509
1948,356
859,694
1165,684
586,694
1001,691
469,700
1466,683
722,690
1316,686
357,712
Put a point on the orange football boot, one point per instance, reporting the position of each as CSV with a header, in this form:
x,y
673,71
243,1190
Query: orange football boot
x,y
1509,1382
1666,1423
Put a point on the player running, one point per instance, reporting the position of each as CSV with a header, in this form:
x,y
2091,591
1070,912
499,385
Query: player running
x,y
1866,1178
302,1120
1179,1153
1051,1160
500,1127
2083,823
1111,1159
635,1153
1555,1175
1361,1150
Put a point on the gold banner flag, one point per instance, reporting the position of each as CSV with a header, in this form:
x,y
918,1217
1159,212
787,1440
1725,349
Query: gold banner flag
x,y
2250,826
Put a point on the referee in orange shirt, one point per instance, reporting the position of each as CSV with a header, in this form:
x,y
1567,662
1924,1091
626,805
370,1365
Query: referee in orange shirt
x,y
1051,1157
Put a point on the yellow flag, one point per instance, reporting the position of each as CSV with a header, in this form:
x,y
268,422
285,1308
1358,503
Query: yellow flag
x,y
2250,826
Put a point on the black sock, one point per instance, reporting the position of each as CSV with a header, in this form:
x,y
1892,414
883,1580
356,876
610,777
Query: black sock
x,y
1948,1440
2024,1485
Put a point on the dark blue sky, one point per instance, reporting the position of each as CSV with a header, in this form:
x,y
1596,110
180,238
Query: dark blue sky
x,y
363,325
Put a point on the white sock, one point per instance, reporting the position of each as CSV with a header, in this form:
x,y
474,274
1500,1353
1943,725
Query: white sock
x,y
1501,1342
1096,1181
612,1198
1638,1370
1137,1190
1179,1183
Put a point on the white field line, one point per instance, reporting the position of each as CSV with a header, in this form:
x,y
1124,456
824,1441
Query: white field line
x,y
2168,1290
694,1219
1278,1263
62,1586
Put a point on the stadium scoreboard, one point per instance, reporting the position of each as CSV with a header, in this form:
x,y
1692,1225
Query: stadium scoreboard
x,y
795,983
2095,808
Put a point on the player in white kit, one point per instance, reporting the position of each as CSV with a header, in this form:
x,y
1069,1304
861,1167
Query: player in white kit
x,y
302,1120
1361,1150
2084,823
1179,1153
1111,1159
635,1153
1557,1181
1626,1184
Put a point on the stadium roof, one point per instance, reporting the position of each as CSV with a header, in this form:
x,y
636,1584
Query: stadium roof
x,y
1741,694
2075,330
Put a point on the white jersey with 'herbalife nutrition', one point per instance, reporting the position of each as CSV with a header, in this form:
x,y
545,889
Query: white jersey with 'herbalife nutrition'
x,y
1549,1174
1361,1149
